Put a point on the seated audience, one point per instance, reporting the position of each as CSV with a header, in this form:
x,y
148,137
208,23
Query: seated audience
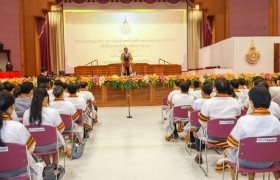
x,y
15,132
240,96
196,93
23,102
182,99
67,108
221,106
205,94
242,86
253,126
176,90
40,114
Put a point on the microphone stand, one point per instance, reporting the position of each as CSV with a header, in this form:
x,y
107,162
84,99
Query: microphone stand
x,y
129,87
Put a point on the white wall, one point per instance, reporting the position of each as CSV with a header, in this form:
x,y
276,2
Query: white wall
x,y
230,54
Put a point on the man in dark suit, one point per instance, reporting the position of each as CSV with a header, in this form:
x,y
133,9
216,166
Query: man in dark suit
x,y
42,78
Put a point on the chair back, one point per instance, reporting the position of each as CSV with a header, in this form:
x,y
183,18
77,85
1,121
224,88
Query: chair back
x,y
80,119
220,128
43,135
243,112
260,149
164,101
181,112
194,118
67,120
13,158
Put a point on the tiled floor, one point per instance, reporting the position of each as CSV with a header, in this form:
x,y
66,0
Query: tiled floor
x,y
135,149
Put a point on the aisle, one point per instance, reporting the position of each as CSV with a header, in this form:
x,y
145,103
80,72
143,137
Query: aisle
x,y
134,149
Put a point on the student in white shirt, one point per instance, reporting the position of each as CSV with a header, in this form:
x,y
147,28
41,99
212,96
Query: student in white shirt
x,y
15,132
67,108
23,102
79,103
205,94
196,93
241,97
273,108
40,114
57,82
176,90
242,86
183,99
260,123
221,106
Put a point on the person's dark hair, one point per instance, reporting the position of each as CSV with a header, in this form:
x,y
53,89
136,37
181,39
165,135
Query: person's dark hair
x,y
207,89
58,82
260,97
58,91
257,77
43,85
242,81
222,85
1,125
16,92
189,82
6,101
26,87
234,83
257,81
72,88
184,86
177,82
84,84
195,84
263,84
35,117
64,85
231,92
1,87
44,70
8,86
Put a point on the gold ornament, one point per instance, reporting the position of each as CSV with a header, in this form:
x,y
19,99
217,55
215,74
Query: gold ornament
x,y
252,55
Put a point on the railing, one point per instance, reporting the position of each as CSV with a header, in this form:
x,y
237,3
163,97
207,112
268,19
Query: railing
x,y
164,61
90,63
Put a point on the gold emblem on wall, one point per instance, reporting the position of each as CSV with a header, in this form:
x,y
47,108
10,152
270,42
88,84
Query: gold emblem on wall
x,y
252,55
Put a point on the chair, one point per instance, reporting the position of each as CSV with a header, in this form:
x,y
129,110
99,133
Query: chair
x,y
194,124
68,122
219,129
13,162
46,139
89,103
164,106
181,115
258,149
80,119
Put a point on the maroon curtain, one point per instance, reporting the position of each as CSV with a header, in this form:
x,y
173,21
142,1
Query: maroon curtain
x,y
43,25
207,30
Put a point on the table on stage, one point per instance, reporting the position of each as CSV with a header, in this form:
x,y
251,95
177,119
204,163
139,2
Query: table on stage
x,y
11,74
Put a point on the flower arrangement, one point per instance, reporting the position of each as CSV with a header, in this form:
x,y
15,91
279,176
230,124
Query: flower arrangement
x,y
124,82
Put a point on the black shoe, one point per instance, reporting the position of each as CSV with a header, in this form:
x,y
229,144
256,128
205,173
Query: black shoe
x,y
175,135
191,146
198,160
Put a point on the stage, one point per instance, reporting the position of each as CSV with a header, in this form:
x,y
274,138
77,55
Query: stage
x,y
150,95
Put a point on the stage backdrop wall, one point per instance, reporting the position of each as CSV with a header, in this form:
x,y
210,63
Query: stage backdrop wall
x,y
92,32
230,54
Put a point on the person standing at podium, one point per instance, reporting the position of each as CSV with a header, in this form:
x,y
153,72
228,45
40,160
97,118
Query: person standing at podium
x,y
126,61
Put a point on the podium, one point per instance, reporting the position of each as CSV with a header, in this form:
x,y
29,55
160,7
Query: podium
x,y
230,55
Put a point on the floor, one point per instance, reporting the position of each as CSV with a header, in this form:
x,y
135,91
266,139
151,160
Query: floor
x,y
135,149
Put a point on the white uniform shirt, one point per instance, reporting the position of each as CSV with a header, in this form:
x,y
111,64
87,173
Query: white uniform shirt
x,y
241,97
244,90
78,102
274,91
15,132
173,93
65,107
50,117
219,107
88,95
196,94
50,92
197,104
254,126
182,99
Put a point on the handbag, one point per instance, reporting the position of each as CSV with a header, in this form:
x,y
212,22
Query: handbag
x,y
77,150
